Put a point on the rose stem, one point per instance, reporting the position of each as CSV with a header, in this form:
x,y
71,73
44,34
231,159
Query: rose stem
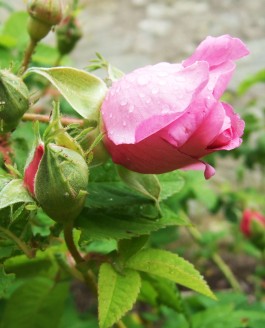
x,y
27,55
68,236
69,240
19,242
46,118
216,258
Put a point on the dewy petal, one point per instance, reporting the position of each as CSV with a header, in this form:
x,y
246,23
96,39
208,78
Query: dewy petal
x,y
197,127
230,137
150,98
220,77
152,155
188,83
217,50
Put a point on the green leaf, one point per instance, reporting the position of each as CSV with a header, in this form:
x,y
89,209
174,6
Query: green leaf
x,y
14,192
5,281
122,223
84,92
4,58
111,195
170,266
146,184
117,294
167,293
171,183
21,143
248,83
45,55
227,316
7,41
38,303
129,247
148,293
16,27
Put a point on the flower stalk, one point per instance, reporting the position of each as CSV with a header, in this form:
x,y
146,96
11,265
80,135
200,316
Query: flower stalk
x,y
25,249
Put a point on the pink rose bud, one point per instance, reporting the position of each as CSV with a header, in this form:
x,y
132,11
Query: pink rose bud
x,y
57,177
168,116
251,222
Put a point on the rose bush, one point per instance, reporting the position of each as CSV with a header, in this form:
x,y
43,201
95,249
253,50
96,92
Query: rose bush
x,y
168,116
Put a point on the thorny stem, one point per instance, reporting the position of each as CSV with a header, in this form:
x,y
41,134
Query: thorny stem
x,y
46,118
217,259
19,242
87,274
27,56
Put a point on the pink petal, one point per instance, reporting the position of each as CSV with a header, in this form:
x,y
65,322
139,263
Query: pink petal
x,y
31,170
217,50
209,171
197,127
152,155
150,98
220,77
230,137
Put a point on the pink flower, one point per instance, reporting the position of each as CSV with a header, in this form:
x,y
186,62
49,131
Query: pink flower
x,y
168,116
249,218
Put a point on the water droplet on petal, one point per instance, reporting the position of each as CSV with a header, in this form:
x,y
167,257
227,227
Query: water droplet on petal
x,y
162,74
110,115
154,90
142,80
123,102
180,96
124,123
148,100
162,82
165,109
131,108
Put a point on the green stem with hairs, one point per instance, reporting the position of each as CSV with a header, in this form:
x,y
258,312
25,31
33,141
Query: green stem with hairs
x,y
27,55
69,240
80,261
25,249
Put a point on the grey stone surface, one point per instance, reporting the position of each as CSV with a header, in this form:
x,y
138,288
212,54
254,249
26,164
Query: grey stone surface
x,y
132,33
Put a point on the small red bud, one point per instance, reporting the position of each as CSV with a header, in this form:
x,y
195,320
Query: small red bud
x,y
250,217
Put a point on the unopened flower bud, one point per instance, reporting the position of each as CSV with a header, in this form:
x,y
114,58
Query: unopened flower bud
x,y
14,100
253,227
43,15
68,33
57,177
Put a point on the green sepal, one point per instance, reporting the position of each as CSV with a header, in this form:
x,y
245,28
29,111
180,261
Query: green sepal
x,y
56,133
